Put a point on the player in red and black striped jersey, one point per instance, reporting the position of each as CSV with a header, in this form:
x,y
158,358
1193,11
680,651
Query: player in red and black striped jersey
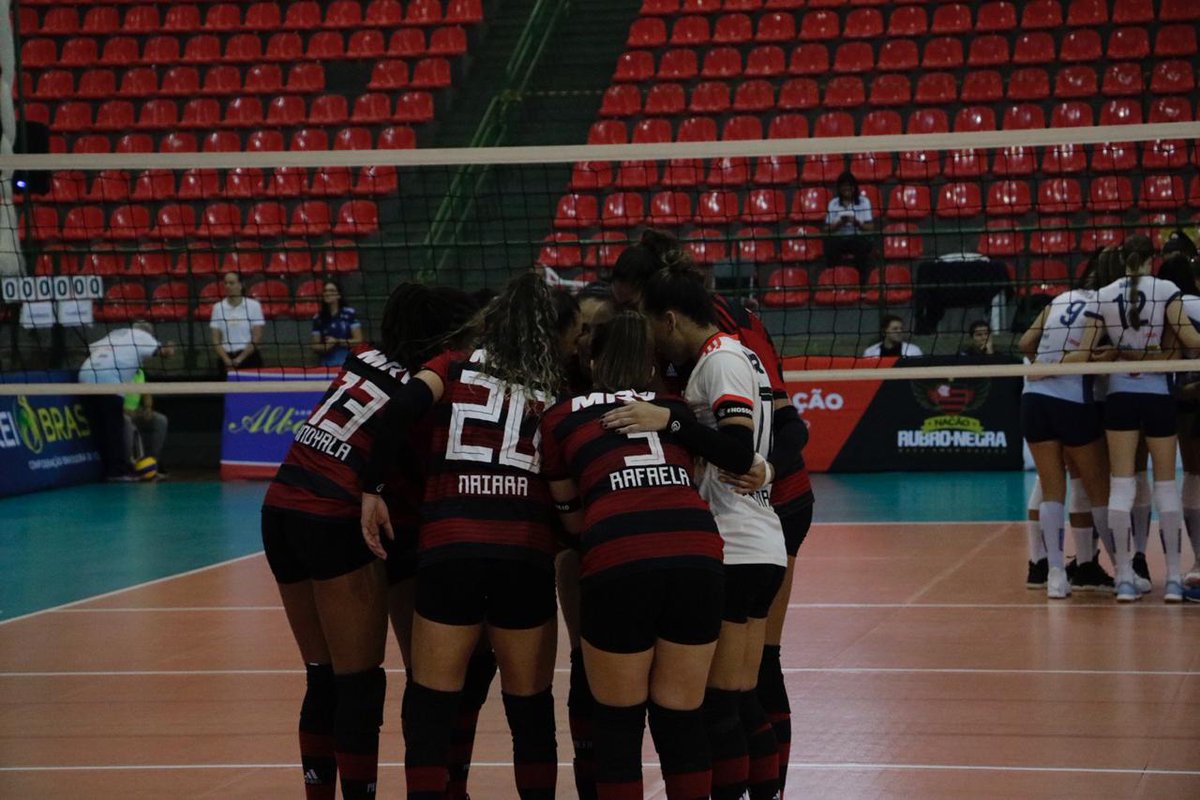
x,y
791,492
653,584
334,590
487,544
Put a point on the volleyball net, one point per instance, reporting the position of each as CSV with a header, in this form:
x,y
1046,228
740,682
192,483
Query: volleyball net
x,y
940,230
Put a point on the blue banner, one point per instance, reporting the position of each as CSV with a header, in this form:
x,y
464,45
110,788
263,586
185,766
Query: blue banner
x,y
46,442
258,428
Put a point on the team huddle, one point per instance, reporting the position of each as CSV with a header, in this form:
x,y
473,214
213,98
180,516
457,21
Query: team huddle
x,y
629,456
1101,431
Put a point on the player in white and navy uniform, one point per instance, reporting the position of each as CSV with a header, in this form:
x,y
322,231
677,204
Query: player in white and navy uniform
x,y
730,391
1144,320
1061,422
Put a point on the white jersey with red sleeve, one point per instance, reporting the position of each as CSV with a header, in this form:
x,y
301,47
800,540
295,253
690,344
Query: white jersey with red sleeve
x,y
728,380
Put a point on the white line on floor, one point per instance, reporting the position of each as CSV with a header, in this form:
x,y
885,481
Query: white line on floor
x,y
151,673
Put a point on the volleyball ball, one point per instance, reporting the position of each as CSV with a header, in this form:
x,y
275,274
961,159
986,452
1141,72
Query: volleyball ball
x,y
146,468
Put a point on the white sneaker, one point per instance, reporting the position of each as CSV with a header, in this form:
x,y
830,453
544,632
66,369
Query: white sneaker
x,y
1173,590
1127,590
1058,586
1192,579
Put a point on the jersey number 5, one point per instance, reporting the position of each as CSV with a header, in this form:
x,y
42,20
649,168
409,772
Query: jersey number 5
x,y
499,408
651,459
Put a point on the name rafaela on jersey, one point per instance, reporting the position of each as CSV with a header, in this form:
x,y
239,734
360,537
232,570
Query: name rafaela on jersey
x,y
642,477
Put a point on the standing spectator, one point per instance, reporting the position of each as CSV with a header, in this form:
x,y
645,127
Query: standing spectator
x,y
848,217
891,343
117,358
979,341
335,327
141,420
237,328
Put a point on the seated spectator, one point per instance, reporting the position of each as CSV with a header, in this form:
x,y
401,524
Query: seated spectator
x,y
145,428
237,325
979,342
336,328
891,343
847,219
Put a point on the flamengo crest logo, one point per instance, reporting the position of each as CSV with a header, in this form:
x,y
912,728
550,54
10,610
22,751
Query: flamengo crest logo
x,y
951,428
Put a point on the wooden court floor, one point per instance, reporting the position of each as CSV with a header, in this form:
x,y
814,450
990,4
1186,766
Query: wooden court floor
x,y
917,663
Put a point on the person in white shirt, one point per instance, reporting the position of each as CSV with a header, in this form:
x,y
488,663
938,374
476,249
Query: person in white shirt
x,y
847,218
117,358
891,343
237,326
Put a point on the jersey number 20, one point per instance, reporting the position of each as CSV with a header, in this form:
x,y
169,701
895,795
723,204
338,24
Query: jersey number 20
x,y
507,409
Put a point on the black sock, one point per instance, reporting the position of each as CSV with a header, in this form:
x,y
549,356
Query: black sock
x,y
481,669
357,719
428,725
762,748
727,743
682,746
618,739
535,751
772,694
316,733
580,708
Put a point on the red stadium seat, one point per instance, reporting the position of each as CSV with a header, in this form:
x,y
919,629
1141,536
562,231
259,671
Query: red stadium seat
x,y
678,65
734,29
169,301
775,170
60,21
756,246
97,83
55,84
1001,239
636,175
243,112
854,57
683,173
559,250
815,26
79,53
1049,277
303,15
707,246
1102,231
577,211
838,286
660,8
1028,83
902,241
988,51
263,16
943,53
1081,46
1053,237
43,223
1071,114
845,92
634,66
1009,198
908,202
754,95
652,131
1123,80
928,120
798,94
153,184
199,184
161,50
863,23
139,82
1059,196
710,97
766,61
326,46
1034,48
1164,154
801,243
937,88
722,62
357,218
329,109
1178,11
1085,13
788,126
718,207
898,55
896,283
620,100
129,222
742,128
343,14
918,165
1128,44
1076,82
1173,77
431,73
871,167
1114,157
219,221
1170,109
450,41
907,21
890,90
982,86
996,16
810,203
697,129
882,123
264,79
284,46
309,139
72,116
464,12
1121,112
274,296
954,18
1175,41
823,169
787,288
264,219
1110,193
809,59
663,98
180,18
39,53
1064,159
123,302
765,206
203,49
670,209
375,107
174,221
958,200
833,123
1161,193
648,32
1023,116
181,82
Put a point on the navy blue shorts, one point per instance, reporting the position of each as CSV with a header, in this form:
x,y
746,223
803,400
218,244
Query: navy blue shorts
x,y
1152,414
1052,419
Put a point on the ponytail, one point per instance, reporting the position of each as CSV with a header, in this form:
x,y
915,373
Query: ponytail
x,y
679,288
1135,250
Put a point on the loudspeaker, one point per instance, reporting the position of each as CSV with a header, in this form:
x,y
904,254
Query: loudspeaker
x,y
32,138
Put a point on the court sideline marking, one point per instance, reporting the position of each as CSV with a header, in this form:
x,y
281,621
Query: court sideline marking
x,y
149,673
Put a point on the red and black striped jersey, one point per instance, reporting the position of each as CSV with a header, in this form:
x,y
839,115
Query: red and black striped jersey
x,y
792,489
319,474
485,496
641,508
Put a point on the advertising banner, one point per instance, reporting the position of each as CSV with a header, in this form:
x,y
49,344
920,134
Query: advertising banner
x,y
46,442
258,428
903,425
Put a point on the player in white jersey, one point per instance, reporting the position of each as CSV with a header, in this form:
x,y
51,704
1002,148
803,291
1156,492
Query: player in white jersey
x,y
1144,319
728,390
1061,422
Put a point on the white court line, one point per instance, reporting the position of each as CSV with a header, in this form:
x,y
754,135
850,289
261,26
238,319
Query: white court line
x,y
850,766
149,673
142,585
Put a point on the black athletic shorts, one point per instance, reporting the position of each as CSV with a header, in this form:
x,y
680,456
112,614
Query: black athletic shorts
x,y
795,528
1152,414
627,613
1046,419
300,547
749,590
504,593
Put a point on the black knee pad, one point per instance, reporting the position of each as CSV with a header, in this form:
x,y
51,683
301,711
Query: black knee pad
x,y
721,710
680,738
320,699
579,695
772,692
359,713
481,669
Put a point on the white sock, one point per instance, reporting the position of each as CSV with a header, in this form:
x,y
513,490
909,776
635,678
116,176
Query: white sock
x,y
1141,512
1050,518
1103,531
1170,524
1191,511
1033,531
1082,537
1120,522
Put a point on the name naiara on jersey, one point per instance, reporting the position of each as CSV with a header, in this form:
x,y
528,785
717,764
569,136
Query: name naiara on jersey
x,y
357,398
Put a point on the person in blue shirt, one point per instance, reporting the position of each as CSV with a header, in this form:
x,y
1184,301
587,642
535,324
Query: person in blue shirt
x,y
335,327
